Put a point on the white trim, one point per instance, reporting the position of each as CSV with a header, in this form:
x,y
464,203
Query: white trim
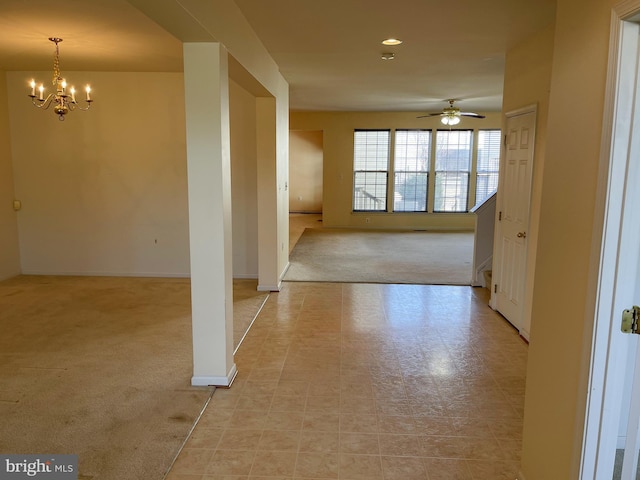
x,y
478,280
533,108
213,381
285,270
251,324
246,276
598,422
193,427
270,288
107,274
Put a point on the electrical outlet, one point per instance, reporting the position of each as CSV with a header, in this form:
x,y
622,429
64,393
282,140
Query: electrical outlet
x,y
367,220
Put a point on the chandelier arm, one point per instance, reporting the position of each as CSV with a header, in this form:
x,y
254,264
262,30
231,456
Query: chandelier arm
x,y
44,104
84,109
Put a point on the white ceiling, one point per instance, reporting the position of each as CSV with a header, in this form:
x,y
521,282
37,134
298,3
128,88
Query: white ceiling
x,y
329,50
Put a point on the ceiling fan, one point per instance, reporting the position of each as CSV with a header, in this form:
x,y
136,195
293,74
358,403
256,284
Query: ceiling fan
x,y
451,115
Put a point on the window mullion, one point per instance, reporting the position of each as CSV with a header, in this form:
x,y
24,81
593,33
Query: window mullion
x,y
391,171
432,173
473,173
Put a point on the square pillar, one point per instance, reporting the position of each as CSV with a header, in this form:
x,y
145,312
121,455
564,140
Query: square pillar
x,y
206,82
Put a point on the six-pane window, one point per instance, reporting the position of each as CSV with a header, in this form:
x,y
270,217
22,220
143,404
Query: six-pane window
x,y
453,165
370,170
411,162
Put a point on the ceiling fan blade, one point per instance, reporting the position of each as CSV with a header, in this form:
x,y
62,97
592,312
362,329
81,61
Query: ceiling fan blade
x,y
430,115
471,114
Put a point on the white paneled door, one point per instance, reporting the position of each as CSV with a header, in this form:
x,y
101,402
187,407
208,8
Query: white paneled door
x,y
510,251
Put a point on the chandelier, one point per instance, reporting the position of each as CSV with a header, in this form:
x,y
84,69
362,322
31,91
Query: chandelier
x,y
63,99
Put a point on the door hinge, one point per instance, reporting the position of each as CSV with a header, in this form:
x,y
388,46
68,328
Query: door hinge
x,y
499,216
495,288
630,318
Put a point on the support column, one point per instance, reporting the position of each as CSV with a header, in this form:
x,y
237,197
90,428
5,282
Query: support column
x,y
268,189
206,83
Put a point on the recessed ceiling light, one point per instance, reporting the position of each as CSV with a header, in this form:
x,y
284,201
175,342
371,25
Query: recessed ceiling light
x,y
391,41
388,56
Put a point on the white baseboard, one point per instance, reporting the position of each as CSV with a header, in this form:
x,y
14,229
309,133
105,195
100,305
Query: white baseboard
x,y
109,274
285,270
246,276
270,288
214,381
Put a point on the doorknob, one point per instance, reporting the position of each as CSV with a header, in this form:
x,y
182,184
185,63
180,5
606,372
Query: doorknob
x,y
522,235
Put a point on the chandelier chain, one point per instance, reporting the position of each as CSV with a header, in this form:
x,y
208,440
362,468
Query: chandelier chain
x,y
56,65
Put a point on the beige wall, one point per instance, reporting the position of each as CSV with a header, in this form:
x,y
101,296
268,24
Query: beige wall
x,y
244,182
9,251
222,21
337,128
562,304
526,82
105,191
102,203
305,167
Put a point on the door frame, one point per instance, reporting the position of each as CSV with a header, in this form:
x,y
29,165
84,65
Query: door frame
x,y
611,264
533,108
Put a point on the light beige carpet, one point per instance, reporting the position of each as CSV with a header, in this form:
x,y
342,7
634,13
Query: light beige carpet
x,y
368,256
99,367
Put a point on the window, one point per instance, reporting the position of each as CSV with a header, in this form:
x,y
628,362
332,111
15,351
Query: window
x,y
488,163
370,170
411,167
425,171
453,164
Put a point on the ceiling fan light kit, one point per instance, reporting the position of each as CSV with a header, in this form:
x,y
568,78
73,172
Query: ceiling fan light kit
x,y
451,115
450,120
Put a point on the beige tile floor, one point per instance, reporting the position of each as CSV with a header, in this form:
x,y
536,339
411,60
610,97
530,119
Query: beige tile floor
x,y
367,382
298,222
